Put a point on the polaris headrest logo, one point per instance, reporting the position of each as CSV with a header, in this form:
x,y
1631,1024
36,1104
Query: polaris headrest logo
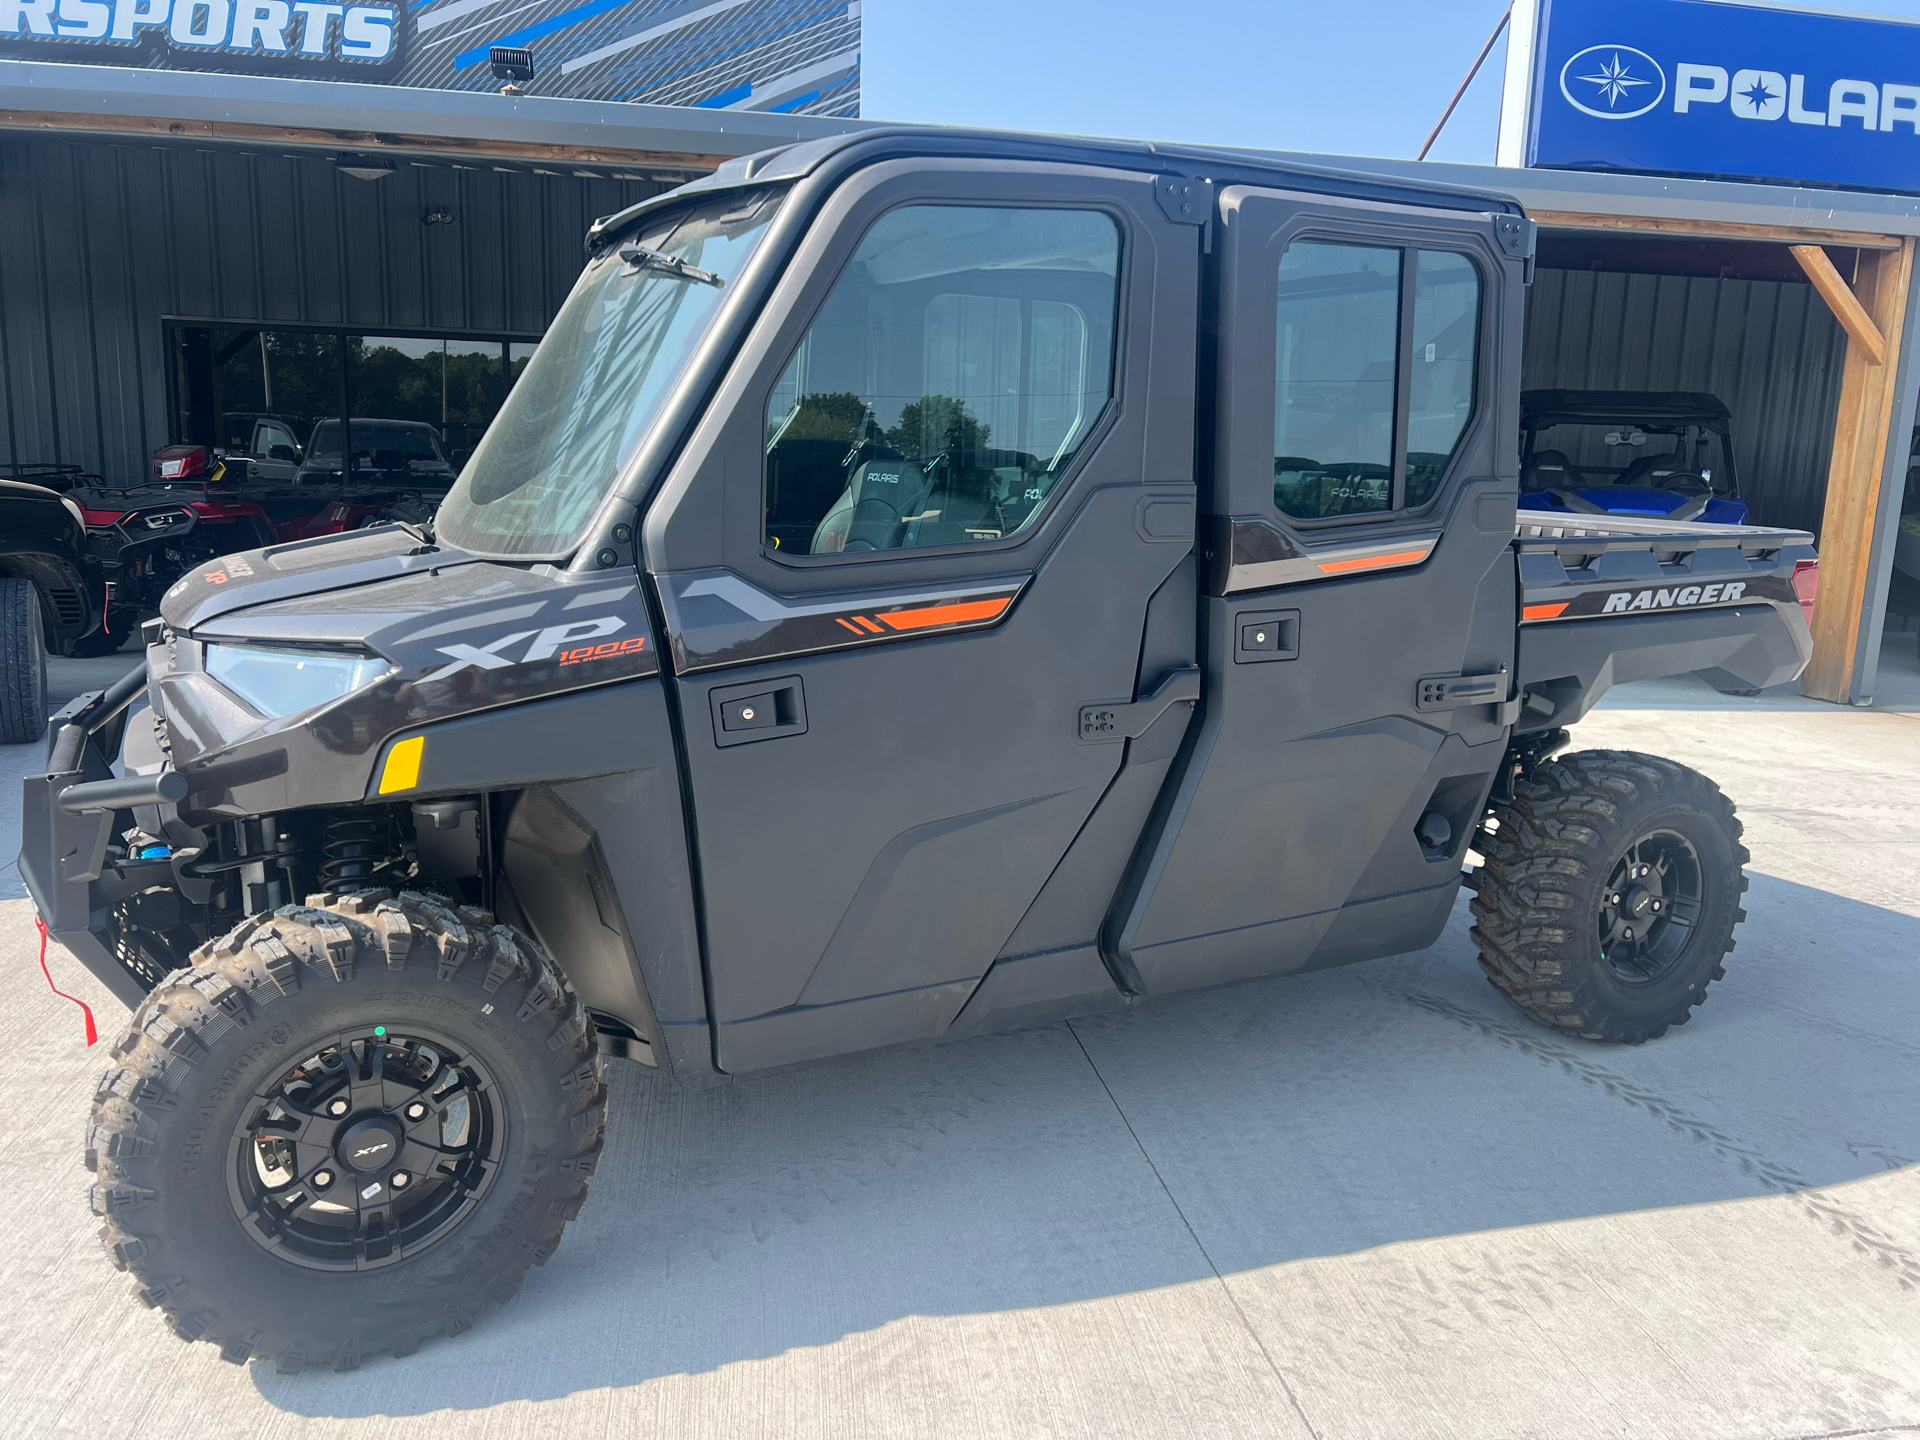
x,y
1613,82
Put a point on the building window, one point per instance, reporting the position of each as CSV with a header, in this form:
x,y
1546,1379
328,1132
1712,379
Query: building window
x,y
274,399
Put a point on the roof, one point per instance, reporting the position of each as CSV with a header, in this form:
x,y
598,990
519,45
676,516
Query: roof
x,y
272,110
1552,407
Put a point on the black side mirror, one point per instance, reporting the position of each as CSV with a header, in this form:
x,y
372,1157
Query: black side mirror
x,y
283,452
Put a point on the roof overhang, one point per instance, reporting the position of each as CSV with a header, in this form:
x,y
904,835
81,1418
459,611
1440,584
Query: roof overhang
x,y
330,115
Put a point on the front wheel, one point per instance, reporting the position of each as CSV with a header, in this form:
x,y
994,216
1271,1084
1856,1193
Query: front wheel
x,y
346,1128
1610,891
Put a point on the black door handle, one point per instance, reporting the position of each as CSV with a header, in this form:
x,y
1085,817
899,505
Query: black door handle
x,y
761,710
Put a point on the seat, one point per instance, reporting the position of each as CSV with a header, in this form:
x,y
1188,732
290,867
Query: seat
x,y
872,512
1552,470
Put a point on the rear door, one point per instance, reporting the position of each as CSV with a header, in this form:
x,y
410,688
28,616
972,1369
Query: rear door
x,y
1359,620
918,532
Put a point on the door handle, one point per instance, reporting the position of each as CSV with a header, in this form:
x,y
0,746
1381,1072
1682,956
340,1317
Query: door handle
x,y
1129,720
761,710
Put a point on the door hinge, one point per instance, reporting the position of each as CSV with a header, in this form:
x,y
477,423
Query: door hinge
x,y
1187,200
1516,236
1128,720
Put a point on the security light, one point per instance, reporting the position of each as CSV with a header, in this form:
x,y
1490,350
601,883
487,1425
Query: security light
x,y
362,168
511,64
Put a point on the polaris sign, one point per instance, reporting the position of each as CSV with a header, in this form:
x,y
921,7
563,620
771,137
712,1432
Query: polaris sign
x,y
1697,87
298,33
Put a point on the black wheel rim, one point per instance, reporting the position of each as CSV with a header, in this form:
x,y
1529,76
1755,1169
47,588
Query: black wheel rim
x,y
372,1149
1650,906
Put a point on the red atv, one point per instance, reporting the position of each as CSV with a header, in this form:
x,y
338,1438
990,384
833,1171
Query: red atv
x,y
200,502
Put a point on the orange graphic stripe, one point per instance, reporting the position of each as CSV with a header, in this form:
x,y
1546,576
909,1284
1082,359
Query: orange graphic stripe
x,y
945,614
1544,612
851,626
869,626
1376,562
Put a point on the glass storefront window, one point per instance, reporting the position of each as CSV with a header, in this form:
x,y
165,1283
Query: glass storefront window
x,y
272,399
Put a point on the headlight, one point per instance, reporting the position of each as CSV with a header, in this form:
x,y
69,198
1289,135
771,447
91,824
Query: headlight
x,y
285,682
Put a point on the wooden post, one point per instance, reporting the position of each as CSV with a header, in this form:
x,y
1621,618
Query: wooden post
x,y
1860,444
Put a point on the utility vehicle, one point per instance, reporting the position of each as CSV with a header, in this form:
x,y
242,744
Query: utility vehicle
x,y
59,581
925,582
1667,454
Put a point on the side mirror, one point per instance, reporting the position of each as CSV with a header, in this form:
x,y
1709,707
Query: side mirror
x,y
283,452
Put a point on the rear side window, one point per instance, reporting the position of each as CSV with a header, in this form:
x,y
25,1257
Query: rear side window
x,y
1375,372
948,382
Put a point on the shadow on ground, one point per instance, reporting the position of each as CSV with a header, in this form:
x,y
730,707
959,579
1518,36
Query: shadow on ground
x,y
1210,1134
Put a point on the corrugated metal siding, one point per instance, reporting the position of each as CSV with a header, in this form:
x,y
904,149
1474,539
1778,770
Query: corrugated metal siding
x,y
1771,351
101,239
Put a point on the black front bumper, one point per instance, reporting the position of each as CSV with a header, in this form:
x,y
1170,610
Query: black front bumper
x,y
64,853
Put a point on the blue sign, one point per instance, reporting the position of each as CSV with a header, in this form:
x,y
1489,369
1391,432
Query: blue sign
x,y
1697,87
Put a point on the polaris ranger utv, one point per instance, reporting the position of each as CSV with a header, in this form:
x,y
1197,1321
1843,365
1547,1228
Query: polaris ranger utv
x,y
925,582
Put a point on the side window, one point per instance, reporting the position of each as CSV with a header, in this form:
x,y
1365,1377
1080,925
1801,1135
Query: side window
x,y
1333,392
1446,344
948,381
1375,367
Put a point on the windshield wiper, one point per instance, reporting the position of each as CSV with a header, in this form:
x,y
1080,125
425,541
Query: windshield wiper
x,y
639,257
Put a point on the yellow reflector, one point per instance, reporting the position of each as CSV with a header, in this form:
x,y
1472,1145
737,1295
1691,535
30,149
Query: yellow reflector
x,y
402,770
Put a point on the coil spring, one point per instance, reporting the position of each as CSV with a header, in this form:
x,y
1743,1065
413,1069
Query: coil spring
x,y
357,851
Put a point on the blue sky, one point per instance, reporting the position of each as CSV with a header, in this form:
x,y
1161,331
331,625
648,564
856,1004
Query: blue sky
x,y
1359,77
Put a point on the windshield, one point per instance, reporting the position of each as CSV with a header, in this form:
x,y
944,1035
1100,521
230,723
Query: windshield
x,y
1577,453
598,381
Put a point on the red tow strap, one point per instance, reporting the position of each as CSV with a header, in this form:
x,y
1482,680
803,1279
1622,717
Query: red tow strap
x,y
93,1034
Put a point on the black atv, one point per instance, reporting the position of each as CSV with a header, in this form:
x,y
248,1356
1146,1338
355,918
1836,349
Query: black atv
x,y
925,583
58,584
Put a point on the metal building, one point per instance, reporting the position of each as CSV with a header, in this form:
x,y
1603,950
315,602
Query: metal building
x,y
172,218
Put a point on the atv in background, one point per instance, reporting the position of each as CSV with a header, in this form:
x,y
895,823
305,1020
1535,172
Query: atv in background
x,y
1662,454
57,580
223,500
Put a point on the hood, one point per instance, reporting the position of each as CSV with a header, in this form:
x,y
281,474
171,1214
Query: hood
x,y
461,635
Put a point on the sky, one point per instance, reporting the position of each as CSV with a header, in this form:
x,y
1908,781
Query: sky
x,y
1342,77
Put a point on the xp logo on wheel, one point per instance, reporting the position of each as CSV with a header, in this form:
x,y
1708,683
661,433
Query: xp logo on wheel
x,y
1613,82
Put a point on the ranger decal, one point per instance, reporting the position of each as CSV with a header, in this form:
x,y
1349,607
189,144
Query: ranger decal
x,y
1720,594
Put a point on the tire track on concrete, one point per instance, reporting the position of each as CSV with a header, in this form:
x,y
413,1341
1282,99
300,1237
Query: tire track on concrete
x,y
1838,1219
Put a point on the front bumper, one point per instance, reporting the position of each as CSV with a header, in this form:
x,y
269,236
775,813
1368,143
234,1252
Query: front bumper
x,y
64,855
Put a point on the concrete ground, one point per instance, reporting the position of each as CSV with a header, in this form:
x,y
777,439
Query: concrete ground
x,y
1371,1202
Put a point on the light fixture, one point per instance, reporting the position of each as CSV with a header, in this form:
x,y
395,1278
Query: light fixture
x,y
439,215
512,64
363,168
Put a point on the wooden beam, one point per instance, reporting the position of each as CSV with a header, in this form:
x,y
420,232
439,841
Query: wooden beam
x,y
1860,444
365,141
1845,305
1715,229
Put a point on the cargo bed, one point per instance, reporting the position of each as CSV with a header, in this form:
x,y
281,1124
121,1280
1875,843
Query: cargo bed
x,y
1605,599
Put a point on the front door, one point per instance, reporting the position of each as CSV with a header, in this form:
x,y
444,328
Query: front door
x,y
917,535
1360,614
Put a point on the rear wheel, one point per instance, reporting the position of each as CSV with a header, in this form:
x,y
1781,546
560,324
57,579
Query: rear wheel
x,y
1610,891
346,1128
23,664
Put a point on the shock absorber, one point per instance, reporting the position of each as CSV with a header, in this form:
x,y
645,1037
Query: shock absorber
x,y
359,849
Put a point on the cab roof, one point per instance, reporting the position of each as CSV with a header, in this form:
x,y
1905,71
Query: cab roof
x,y
1219,165
1659,407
